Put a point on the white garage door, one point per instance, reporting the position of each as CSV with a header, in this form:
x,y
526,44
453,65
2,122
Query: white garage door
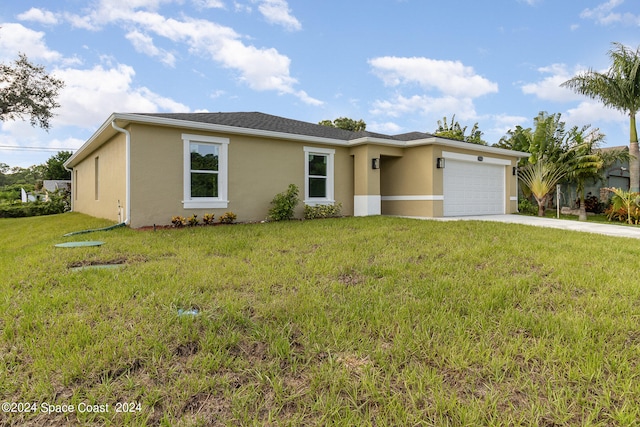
x,y
473,188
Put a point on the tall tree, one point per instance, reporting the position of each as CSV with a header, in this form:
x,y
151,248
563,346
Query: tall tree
x,y
585,161
453,130
518,139
617,88
26,90
54,167
547,143
548,139
345,123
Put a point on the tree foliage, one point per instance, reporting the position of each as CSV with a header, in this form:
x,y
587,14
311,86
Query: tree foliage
x,y
453,130
573,155
547,140
54,167
584,161
541,178
345,123
26,90
617,88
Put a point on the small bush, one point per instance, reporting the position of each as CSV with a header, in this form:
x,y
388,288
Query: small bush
x,y
593,204
526,207
284,204
322,211
207,219
625,206
178,221
228,218
192,221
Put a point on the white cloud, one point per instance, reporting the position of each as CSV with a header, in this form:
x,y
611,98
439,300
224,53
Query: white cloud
x,y
388,128
604,14
594,113
449,77
90,94
16,38
455,86
503,122
239,7
549,87
209,4
260,69
463,108
39,15
144,44
278,12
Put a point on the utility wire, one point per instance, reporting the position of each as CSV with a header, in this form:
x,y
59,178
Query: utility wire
x,y
19,148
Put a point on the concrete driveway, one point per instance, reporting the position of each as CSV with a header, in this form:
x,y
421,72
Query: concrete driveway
x,y
589,227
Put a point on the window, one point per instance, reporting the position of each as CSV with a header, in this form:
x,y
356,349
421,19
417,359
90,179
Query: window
x,y
205,171
318,172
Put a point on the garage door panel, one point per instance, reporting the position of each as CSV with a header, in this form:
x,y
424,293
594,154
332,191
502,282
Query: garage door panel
x,y
473,188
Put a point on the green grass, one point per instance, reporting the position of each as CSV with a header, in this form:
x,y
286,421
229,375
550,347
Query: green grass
x,y
352,321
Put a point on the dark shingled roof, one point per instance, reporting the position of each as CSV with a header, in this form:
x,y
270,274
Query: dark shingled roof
x,y
267,122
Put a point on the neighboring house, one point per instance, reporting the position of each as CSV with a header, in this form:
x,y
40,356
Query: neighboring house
x,y
53,185
145,168
616,176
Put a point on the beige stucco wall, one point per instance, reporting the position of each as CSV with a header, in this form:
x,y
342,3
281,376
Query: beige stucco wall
x,y
259,168
111,181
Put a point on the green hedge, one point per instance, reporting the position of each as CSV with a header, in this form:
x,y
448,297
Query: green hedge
x,y
59,203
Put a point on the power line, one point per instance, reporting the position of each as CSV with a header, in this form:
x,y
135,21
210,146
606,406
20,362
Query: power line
x,y
19,148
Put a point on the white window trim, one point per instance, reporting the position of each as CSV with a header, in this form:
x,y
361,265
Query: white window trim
x,y
329,199
206,202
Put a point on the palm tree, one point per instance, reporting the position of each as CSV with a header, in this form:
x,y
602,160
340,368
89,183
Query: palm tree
x,y
617,88
547,143
585,161
541,178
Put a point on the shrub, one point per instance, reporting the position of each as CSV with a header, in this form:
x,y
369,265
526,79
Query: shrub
x,y
192,220
593,204
526,207
178,221
625,206
322,211
622,215
59,202
284,204
207,218
228,218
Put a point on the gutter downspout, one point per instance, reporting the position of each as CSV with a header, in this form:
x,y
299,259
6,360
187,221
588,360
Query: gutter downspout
x,y
73,186
128,171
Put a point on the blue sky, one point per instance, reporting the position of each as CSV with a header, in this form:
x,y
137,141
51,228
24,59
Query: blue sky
x,y
400,65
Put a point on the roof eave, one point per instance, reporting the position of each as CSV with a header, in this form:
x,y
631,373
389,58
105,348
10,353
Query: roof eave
x,y
440,141
106,132
98,138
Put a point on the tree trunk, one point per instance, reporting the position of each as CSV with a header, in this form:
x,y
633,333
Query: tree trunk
x,y
634,162
541,205
582,211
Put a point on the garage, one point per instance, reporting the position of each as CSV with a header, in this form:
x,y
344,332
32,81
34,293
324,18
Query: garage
x,y
473,186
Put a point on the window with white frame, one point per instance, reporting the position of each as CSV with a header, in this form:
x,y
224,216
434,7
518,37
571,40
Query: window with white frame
x,y
318,171
205,171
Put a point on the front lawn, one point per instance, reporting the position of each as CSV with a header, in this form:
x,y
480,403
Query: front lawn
x,y
352,321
